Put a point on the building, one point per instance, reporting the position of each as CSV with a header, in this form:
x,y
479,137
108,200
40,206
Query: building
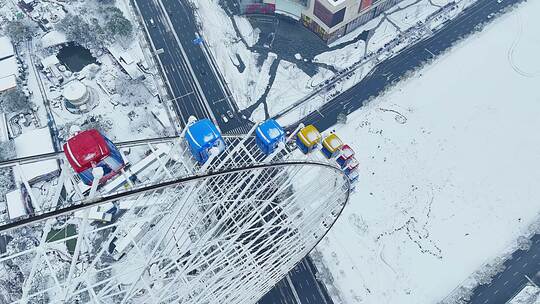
x,y
76,94
6,48
329,19
9,68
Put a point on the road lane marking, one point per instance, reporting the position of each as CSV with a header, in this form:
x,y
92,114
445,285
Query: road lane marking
x,y
496,292
515,273
518,258
524,265
505,282
487,300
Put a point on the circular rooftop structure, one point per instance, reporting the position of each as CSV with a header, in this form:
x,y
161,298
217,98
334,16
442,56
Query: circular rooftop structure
x,y
76,93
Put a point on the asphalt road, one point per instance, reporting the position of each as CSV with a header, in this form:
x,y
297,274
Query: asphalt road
x,y
305,287
192,84
508,283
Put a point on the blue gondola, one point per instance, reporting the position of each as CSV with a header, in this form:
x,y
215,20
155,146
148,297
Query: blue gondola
x,y
268,135
202,136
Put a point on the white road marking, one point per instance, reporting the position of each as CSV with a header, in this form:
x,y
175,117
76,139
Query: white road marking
x,y
515,274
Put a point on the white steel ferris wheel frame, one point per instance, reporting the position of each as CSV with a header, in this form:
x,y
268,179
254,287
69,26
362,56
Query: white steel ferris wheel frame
x,y
224,232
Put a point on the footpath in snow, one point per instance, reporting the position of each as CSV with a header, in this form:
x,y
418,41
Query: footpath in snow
x,y
450,169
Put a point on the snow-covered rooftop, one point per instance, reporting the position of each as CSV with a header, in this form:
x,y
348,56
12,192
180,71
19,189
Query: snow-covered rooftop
x,y
4,134
128,58
35,142
74,91
7,83
15,204
9,67
6,48
50,61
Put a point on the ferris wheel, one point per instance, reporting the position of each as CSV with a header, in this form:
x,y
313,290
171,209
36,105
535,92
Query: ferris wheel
x,y
199,218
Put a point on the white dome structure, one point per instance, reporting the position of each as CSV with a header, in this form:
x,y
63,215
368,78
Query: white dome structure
x,y
76,93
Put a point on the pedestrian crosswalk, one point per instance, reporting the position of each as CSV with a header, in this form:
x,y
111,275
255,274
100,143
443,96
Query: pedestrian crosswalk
x,y
243,129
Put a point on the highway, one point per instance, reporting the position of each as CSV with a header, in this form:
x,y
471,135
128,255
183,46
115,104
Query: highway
x,y
508,283
301,286
190,79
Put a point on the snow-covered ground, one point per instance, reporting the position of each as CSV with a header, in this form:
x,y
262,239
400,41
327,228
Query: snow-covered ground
x,y
344,57
529,295
449,170
291,84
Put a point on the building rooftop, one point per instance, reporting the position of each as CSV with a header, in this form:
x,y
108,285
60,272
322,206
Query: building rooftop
x,y
7,83
35,142
6,48
9,67
74,90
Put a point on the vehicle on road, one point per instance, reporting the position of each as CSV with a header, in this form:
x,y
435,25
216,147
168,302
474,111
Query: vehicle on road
x,y
152,22
230,114
225,119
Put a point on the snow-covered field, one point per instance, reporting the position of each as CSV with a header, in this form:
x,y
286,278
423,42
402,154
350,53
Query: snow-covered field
x,y
529,295
450,165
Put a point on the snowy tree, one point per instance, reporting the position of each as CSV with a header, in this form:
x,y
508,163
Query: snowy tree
x,y
78,30
14,101
130,92
342,118
524,243
7,182
7,150
20,31
116,24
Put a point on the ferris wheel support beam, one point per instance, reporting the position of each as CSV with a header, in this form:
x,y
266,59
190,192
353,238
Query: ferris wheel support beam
x,y
33,198
177,211
161,162
237,147
85,203
35,262
245,225
216,216
97,173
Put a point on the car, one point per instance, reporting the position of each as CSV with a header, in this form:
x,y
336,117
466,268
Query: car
x,y
225,119
499,1
152,22
230,113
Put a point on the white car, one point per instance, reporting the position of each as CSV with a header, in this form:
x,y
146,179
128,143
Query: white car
x,y
225,119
